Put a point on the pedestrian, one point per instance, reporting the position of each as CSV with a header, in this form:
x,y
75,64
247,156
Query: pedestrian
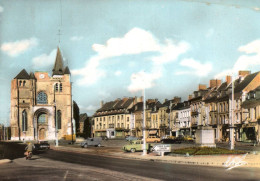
x,y
29,148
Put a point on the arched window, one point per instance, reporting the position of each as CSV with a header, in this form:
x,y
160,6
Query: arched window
x,y
20,83
42,118
41,98
24,83
60,87
24,121
59,119
56,87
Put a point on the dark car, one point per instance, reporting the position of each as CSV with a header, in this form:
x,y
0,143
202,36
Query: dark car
x,y
171,141
42,145
104,138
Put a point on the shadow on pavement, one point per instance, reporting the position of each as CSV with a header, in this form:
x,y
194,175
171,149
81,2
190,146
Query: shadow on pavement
x,y
13,150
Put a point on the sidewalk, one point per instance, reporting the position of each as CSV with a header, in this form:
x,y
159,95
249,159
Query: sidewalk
x,y
228,161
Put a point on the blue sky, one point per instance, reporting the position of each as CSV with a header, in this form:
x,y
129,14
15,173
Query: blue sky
x,y
116,48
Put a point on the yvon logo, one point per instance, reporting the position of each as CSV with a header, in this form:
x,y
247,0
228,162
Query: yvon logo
x,y
235,161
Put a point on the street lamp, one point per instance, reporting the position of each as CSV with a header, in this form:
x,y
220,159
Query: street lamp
x,y
232,117
144,128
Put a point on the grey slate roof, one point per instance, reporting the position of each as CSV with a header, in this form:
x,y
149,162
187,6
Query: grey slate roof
x,y
58,66
23,75
245,82
66,70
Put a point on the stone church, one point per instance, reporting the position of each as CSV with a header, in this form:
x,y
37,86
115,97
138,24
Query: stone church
x,y
42,104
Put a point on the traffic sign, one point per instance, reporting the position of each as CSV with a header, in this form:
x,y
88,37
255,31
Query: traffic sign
x,y
162,148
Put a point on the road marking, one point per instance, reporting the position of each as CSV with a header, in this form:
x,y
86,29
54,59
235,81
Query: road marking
x,y
233,162
65,176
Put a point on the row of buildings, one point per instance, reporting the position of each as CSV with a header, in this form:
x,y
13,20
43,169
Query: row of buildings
x,y
207,106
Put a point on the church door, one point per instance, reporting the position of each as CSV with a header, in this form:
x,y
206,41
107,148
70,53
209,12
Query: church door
x,y
42,134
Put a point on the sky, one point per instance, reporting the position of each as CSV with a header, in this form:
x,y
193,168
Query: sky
x,y
117,48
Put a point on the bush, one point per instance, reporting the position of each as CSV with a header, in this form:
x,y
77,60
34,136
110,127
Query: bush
x,y
206,151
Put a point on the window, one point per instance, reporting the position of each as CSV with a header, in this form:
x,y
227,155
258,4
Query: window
x,y
59,119
127,119
24,121
122,125
24,83
20,83
41,98
56,87
60,87
118,125
104,126
118,117
42,118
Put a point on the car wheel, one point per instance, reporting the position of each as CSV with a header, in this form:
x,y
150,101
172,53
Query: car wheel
x,y
86,145
132,150
99,145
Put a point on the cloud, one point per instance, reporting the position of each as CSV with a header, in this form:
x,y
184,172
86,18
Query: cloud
x,y
118,73
76,38
44,60
143,80
1,9
196,68
90,73
136,41
249,60
15,48
170,52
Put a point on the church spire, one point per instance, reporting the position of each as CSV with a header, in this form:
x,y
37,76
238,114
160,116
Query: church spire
x,y
58,66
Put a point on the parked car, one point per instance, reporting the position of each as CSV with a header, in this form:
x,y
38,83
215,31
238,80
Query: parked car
x,y
171,141
131,138
96,141
136,145
153,139
42,145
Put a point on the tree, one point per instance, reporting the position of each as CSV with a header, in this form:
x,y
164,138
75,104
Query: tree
x,y
76,115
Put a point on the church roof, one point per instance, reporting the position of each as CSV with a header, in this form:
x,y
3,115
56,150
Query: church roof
x,y
58,66
66,70
32,76
23,75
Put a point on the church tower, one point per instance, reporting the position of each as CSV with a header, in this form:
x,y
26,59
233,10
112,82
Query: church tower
x,y
40,104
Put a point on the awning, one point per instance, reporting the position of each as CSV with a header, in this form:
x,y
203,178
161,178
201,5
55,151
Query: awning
x,y
153,132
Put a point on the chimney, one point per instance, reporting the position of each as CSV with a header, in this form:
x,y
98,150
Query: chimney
x,y
189,97
176,99
228,79
139,99
214,83
202,87
243,73
101,103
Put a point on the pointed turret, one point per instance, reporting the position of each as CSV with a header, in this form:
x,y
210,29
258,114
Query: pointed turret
x,y
32,76
23,75
66,70
58,66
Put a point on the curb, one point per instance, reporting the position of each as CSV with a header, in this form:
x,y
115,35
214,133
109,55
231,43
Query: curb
x,y
3,161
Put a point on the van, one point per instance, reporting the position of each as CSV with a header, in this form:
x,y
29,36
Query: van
x,y
96,141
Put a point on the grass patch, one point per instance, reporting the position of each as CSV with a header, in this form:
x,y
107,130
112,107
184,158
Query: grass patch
x,y
206,151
